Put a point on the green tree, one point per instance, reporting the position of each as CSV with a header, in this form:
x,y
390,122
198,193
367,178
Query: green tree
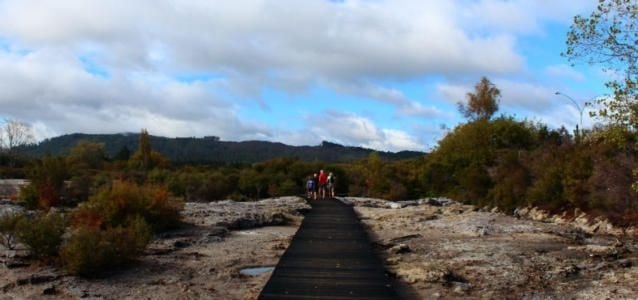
x,y
483,103
86,155
123,155
609,37
145,158
252,182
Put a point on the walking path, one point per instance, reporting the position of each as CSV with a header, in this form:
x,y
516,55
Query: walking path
x,y
330,257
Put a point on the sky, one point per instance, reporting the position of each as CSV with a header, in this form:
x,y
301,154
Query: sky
x,y
380,74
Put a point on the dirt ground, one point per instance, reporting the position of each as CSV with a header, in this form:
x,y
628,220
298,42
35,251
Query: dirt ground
x,y
202,260
448,250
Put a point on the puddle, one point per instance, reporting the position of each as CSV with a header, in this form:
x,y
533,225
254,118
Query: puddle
x,y
247,232
255,271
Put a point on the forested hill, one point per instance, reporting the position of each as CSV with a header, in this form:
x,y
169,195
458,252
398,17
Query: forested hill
x,y
211,149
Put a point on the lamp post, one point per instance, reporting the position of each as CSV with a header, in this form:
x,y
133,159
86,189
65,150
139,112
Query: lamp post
x,y
580,110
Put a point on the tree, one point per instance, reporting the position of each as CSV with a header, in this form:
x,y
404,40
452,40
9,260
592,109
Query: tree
x,y
15,133
145,158
483,103
122,155
609,38
86,155
144,150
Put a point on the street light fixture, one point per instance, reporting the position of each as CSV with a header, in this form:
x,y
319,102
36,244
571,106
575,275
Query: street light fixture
x,y
580,110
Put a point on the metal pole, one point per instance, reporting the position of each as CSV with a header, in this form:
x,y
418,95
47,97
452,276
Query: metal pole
x,y
580,110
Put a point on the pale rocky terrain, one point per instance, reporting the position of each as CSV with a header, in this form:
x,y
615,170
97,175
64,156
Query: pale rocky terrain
x,y
202,260
447,250
437,248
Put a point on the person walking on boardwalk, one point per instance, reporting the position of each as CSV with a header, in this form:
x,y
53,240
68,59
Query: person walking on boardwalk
x,y
315,186
332,181
323,181
310,187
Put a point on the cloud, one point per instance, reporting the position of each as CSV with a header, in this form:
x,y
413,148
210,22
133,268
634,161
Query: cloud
x,y
54,91
536,102
108,66
535,98
564,71
405,107
351,129
354,39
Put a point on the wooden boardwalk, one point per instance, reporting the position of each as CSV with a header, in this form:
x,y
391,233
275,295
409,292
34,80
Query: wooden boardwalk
x,y
330,257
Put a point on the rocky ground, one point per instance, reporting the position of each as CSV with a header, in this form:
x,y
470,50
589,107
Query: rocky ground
x,y
443,249
202,260
438,248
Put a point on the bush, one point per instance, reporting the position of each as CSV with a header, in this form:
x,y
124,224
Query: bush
x,y
42,234
9,229
47,178
91,251
29,197
114,206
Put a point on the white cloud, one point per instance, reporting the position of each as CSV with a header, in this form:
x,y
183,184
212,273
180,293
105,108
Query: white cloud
x,y
350,40
405,107
351,129
535,98
454,92
53,91
536,102
564,71
136,50
531,97
399,140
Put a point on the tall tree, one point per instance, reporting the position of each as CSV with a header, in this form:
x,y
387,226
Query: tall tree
x,y
145,149
483,103
145,158
608,37
15,133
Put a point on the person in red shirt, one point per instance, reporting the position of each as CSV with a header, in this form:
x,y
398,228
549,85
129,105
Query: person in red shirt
x,y
323,181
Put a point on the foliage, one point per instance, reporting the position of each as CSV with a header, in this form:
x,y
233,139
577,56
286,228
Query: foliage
x,y
117,204
464,163
483,103
210,151
608,37
47,178
9,229
91,251
123,154
86,155
42,234
145,158
29,197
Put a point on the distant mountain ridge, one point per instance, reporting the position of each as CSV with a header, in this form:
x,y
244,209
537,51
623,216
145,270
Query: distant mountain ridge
x,y
211,149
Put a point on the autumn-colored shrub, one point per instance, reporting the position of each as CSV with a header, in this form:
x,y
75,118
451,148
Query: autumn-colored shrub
x,y
47,179
92,251
511,180
115,205
42,234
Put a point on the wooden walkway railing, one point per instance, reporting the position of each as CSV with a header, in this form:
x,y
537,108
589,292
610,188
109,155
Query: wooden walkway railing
x,y
330,257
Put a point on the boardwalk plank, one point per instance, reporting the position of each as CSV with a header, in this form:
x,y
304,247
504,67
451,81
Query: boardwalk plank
x,y
330,257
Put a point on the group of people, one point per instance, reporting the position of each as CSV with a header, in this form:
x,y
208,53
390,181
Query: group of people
x,y
321,185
